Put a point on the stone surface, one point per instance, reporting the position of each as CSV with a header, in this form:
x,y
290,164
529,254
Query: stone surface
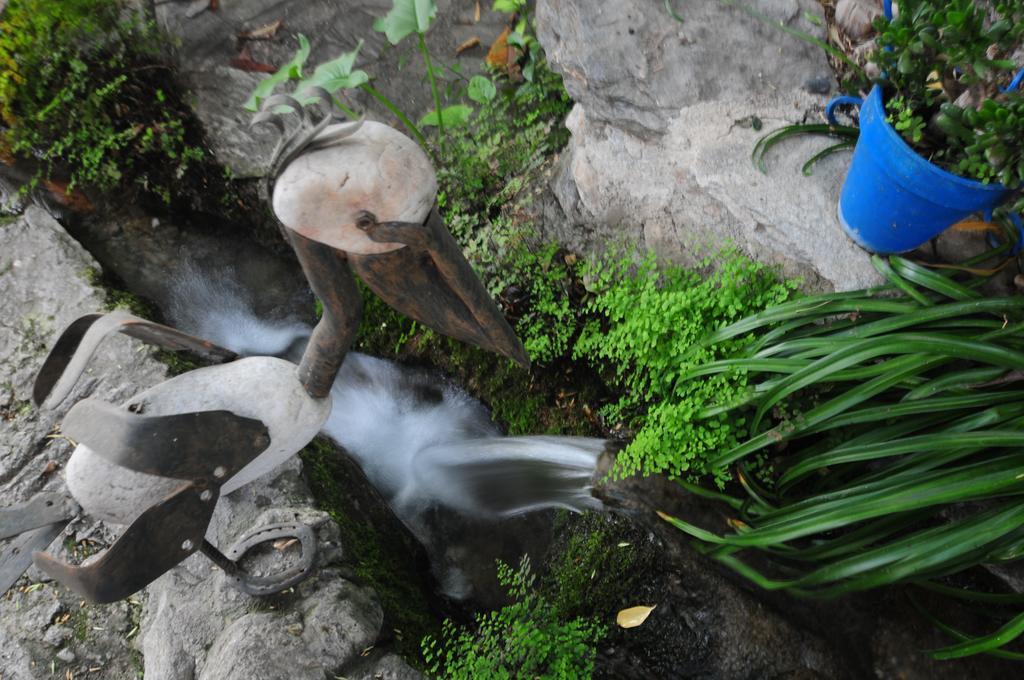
x,y
195,625
190,623
44,285
667,115
207,42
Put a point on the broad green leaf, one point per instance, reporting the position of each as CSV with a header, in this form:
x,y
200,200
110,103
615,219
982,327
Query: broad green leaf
x,y
290,71
507,6
453,116
481,89
336,74
405,17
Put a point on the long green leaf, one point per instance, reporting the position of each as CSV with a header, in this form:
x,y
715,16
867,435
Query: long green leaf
x,y
1008,633
968,482
934,442
931,280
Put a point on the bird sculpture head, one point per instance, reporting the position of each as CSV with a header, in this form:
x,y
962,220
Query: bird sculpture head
x,y
364,193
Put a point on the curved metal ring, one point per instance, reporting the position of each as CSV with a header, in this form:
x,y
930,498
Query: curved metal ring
x,y
268,585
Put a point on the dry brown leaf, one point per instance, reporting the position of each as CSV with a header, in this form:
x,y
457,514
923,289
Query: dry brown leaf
x,y
498,55
263,32
476,13
75,199
634,616
468,45
284,543
243,62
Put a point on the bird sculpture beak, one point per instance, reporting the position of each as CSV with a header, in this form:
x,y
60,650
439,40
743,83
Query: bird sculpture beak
x,y
436,286
369,197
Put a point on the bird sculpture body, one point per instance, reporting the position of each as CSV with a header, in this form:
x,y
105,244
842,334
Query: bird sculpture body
x,y
352,198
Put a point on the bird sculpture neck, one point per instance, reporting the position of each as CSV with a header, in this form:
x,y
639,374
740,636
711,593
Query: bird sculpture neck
x,y
328,273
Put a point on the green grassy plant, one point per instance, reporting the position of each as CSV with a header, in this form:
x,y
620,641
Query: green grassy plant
x,y
903,464
526,639
83,89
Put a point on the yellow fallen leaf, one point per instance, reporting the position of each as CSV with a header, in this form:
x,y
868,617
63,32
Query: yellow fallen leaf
x,y
468,45
634,616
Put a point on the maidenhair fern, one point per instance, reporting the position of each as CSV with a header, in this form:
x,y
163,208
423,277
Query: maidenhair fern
x,y
646,334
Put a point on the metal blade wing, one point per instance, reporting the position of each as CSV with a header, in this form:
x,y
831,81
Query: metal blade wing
x,y
79,341
17,556
43,509
156,541
212,445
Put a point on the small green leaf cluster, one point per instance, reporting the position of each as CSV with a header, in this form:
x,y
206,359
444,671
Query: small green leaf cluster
x,y
548,325
526,639
83,89
646,334
488,162
523,38
946,64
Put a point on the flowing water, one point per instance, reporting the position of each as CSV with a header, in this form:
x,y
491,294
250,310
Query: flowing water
x,y
420,439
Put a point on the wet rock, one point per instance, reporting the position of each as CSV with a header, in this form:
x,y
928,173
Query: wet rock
x,y
189,268
387,667
712,623
666,117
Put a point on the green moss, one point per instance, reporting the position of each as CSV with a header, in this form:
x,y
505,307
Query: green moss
x,y
382,561
79,624
595,565
546,401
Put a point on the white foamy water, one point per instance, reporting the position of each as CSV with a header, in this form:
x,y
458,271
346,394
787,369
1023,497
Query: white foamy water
x,y
420,439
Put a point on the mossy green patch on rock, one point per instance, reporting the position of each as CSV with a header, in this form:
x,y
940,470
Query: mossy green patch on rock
x,y
596,565
385,555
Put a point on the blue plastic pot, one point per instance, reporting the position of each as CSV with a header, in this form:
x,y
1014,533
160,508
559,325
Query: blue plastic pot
x,y
894,200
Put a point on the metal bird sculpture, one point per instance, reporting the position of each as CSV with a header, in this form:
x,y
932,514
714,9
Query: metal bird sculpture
x,y
356,197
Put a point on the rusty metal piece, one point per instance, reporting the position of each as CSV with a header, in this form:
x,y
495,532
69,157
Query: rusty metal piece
x,y
41,510
159,539
76,345
431,281
331,279
207,447
266,585
307,135
17,557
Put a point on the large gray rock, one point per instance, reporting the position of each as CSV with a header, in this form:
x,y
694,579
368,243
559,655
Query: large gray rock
x,y
44,285
207,42
664,126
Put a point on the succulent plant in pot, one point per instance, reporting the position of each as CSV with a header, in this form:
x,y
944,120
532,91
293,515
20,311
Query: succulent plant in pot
x,y
948,69
942,131
950,141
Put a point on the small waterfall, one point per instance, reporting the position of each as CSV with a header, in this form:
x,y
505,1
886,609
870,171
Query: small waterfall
x,y
421,440
212,305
